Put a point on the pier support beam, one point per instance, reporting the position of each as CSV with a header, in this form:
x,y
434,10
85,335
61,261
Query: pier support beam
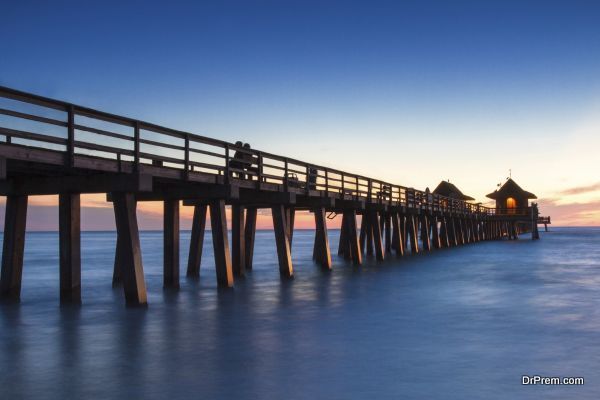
x,y
425,232
196,241
369,233
435,233
118,261
131,268
171,244
290,216
218,224
444,240
116,281
13,247
403,234
282,240
238,237
461,232
362,237
388,232
452,232
321,254
69,225
342,250
353,243
413,233
378,242
397,241
249,235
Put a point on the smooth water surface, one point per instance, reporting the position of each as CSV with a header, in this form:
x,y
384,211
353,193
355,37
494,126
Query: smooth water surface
x,y
463,323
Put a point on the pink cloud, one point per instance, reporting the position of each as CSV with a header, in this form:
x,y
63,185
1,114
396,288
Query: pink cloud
x,y
574,214
581,189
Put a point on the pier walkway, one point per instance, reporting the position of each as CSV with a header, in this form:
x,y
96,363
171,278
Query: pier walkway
x,y
54,147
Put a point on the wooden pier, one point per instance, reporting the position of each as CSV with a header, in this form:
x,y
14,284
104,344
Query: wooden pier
x,y
53,147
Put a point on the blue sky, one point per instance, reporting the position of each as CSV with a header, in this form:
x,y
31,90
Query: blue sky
x,y
412,92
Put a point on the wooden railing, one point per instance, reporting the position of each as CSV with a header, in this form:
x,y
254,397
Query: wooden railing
x,y
543,220
34,121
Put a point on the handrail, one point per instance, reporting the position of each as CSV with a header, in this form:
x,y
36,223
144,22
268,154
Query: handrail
x,y
148,143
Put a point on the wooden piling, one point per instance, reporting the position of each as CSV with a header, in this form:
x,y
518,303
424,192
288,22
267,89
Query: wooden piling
x,y
218,225
13,247
282,241
238,246
364,222
397,244
376,229
370,247
196,241
388,232
249,236
461,232
131,268
69,224
435,233
443,231
425,232
344,246
290,216
453,237
352,237
322,254
403,235
412,233
468,230
171,244
343,240
116,280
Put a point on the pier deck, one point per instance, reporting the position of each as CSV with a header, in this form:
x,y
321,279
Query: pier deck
x,y
54,147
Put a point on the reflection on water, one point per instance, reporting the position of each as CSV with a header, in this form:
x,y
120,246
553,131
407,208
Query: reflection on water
x,y
461,323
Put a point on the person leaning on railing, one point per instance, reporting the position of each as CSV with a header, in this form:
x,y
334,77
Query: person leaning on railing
x,y
237,162
249,161
312,178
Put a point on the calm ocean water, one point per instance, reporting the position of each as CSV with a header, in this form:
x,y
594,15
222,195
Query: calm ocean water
x,y
464,323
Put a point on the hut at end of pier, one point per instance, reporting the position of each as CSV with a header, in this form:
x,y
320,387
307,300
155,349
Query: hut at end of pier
x,y
511,198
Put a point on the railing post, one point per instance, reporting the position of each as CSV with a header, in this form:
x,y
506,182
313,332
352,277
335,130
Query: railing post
x,y
307,179
71,136
260,169
226,162
136,146
186,163
370,190
327,182
285,176
357,189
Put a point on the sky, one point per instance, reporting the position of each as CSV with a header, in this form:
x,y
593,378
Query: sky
x,y
411,92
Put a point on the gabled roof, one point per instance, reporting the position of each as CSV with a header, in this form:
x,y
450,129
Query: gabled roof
x,y
511,188
447,189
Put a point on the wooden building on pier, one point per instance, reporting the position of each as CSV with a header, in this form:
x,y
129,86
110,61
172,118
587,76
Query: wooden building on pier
x,y
511,198
447,189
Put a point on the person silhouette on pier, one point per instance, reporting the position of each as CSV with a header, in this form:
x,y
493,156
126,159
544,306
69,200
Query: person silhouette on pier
x,y
237,162
249,160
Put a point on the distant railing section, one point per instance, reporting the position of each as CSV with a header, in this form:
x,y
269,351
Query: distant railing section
x,y
34,121
543,220
512,211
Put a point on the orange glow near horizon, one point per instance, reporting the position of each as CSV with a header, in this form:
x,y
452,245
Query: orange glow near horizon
x,y
97,214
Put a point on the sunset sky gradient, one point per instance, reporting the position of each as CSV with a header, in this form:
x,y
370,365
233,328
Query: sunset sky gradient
x,y
409,92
